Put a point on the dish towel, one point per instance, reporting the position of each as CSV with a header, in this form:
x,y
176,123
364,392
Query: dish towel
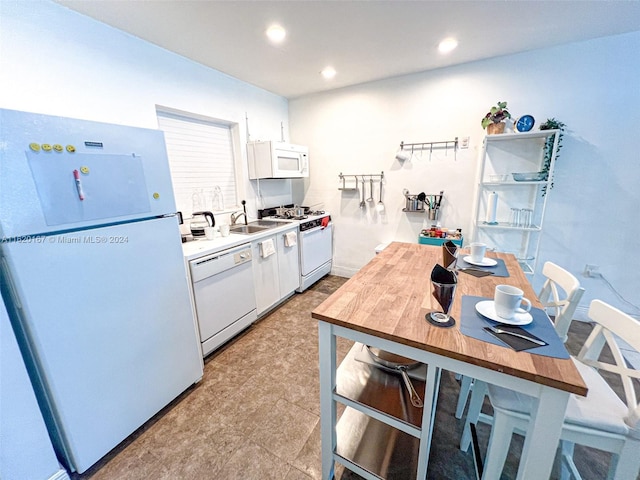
x,y
267,248
290,239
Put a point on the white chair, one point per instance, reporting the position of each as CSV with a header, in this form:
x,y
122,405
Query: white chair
x,y
551,299
558,282
600,420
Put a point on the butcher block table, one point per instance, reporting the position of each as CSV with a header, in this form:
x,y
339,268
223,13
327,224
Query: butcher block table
x,y
384,305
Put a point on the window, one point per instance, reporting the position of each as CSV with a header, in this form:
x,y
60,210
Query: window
x,y
201,159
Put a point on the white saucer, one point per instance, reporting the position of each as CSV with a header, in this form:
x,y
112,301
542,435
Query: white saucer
x,y
487,309
486,261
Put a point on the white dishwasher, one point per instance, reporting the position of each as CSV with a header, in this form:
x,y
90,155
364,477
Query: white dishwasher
x,y
224,295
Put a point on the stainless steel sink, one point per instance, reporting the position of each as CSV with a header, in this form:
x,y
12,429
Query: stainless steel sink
x,y
255,226
268,223
247,229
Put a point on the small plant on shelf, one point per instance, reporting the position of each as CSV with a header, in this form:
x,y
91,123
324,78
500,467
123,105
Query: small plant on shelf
x,y
493,121
550,124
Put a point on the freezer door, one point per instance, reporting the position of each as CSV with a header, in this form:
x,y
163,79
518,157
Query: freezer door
x,y
59,174
107,317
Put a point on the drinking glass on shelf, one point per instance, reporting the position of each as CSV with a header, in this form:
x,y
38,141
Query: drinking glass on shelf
x,y
525,217
514,217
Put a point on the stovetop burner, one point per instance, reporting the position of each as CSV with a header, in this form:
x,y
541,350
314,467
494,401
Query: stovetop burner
x,y
288,215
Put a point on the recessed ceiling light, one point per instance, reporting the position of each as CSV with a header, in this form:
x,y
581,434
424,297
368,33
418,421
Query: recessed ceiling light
x,y
328,73
447,45
276,33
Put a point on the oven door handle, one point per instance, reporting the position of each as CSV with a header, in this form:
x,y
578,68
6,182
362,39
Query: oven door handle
x,y
315,229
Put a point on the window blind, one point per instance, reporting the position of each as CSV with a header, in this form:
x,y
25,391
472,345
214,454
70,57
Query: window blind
x,y
201,162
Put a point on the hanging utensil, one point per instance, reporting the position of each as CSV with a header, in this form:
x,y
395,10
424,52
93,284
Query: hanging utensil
x,y
370,199
380,206
363,203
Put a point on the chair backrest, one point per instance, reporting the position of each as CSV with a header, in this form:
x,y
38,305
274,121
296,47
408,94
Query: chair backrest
x,y
610,321
550,296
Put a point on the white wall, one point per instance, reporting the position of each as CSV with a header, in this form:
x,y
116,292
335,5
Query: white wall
x,y
56,61
59,62
592,213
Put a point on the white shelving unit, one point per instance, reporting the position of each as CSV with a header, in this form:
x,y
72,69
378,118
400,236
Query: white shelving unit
x,y
503,155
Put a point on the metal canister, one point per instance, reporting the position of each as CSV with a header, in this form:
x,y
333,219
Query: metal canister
x,y
412,203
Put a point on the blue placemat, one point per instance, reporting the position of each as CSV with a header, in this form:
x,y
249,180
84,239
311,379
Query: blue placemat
x,y
472,324
499,270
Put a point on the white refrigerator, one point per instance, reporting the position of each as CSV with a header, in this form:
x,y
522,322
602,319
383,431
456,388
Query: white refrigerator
x,y
93,277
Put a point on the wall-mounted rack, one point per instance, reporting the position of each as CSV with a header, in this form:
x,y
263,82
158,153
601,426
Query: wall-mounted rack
x,y
423,202
343,177
431,145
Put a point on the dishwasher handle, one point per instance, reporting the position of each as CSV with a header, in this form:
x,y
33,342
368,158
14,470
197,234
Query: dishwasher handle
x,y
208,265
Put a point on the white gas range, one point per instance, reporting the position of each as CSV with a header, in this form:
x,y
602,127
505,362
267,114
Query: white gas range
x,y
315,240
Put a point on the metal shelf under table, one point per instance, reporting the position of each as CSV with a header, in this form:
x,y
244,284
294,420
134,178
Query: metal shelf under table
x,y
363,442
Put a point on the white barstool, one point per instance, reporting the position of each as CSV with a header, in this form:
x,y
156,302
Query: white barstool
x,y
558,279
600,420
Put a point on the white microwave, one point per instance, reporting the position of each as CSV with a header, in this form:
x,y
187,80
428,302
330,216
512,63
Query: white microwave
x,y
271,159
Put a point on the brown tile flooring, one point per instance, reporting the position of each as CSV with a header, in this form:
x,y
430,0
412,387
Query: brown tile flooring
x,y
254,415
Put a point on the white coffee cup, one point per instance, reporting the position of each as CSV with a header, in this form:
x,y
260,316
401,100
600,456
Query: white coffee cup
x,y
477,251
224,230
209,233
508,301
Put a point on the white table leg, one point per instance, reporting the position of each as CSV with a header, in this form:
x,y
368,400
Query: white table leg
x,y
428,416
327,360
543,435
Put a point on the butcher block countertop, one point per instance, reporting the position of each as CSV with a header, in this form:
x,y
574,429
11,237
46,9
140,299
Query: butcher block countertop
x,y
390,296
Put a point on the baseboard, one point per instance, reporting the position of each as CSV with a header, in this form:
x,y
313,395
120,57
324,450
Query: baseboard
x,y
343,271
60,475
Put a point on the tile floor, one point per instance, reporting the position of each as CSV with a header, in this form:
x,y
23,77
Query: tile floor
x,y
254,415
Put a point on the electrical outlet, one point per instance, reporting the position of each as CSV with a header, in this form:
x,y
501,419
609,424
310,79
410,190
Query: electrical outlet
x,y
591,271
464,142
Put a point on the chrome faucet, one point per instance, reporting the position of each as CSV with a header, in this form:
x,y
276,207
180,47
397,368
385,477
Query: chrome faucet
x,y
234,217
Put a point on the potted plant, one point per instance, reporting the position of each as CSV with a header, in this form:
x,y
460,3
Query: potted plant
x,y
493,121
550,124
